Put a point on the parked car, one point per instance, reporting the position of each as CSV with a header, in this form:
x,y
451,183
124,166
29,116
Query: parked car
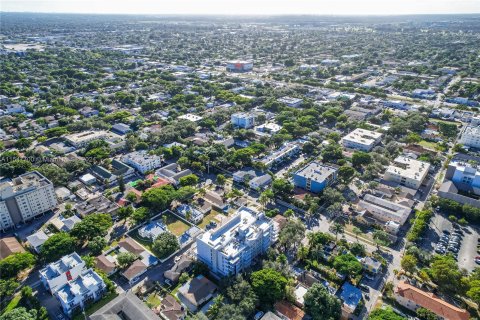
x,y
363,287
258,315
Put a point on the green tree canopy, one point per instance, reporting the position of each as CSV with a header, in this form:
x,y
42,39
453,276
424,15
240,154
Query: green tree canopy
x,y
165,244
93,225
269,285
321,305
14,263
57,246
347,264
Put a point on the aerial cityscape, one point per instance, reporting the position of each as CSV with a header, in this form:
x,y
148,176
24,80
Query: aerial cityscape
x,y
266,167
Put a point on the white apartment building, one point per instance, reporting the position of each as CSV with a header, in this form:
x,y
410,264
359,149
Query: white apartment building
x,y
239,65
407,172
142,161
291,102
384,210
361,139
190,117
281,154
77,294
58,273
232,247
24,198
471,137
82,139
243,120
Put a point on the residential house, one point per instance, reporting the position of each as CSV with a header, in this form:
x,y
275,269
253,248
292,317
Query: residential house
x,y
9,246
190,213
196,292
171,309
413,298
216,200
121,128
106,263
351,297
288,311
36,240
371,265
172,173
135,271
178,268
126,306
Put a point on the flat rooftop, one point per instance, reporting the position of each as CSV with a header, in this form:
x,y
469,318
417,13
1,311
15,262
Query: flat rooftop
x,y
363,136
316,171
61,266
409,168
246,224
22,183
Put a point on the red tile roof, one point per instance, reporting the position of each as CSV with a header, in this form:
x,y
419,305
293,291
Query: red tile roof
x,y
431,302
289,310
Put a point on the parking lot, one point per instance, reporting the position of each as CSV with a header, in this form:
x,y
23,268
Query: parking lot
x,y
442,238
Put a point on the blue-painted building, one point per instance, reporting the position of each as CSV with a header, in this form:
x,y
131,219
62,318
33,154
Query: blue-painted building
x,y
351,297
315,177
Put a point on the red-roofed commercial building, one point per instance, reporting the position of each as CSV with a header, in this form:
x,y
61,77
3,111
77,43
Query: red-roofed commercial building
x,y
414,298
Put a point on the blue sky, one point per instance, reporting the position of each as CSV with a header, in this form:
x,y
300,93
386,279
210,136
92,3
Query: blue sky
x,y
328,7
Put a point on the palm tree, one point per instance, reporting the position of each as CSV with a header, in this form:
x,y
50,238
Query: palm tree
x,y
381,238
337,228
164,219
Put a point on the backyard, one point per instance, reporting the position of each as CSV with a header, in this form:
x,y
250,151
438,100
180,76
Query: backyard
x,y
175,225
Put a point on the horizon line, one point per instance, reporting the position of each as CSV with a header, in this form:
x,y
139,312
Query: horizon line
x,y
248,15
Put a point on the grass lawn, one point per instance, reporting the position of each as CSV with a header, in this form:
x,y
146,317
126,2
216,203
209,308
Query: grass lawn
x,y
427,144
146,243
97,305
153,301
12,304
175,225
209,217
444,121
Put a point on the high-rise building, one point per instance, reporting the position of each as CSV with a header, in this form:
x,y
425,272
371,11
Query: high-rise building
x,y
24,198
232,247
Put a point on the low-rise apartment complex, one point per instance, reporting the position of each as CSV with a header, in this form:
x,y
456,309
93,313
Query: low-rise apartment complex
x,y
471,137
361,139
315,177
142,161
407,172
